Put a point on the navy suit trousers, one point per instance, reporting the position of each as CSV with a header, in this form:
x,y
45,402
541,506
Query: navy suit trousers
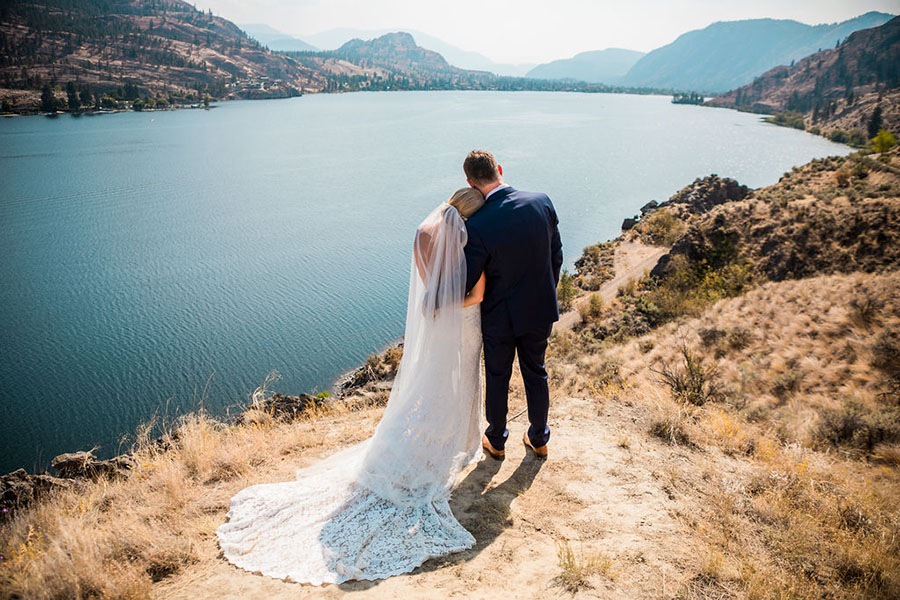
x,y
500,348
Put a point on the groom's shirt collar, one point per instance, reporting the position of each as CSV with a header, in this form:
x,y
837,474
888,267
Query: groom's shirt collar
x,y
499,187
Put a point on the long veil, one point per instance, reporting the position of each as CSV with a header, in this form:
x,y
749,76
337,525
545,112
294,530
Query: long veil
x,y
420,445
380,507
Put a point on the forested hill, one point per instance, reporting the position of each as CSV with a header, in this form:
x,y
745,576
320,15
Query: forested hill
x,y
395,62
157,48
835,88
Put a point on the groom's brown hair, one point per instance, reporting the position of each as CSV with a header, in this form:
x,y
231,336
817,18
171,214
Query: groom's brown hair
x,y
480,167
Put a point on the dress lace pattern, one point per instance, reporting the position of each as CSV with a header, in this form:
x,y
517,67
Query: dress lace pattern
x,y
365,513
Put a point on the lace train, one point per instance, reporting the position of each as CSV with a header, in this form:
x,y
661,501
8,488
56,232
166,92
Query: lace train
x,y
328,527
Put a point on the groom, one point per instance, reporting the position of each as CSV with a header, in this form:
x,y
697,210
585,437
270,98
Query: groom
x,y
514,239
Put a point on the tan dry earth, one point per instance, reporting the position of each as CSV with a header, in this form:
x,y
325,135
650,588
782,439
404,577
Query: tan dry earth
x,y
608,490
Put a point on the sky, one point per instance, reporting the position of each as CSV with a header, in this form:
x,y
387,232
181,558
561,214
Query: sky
x,y
519,31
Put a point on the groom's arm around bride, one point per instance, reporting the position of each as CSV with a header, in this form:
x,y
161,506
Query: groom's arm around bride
x,y
514,240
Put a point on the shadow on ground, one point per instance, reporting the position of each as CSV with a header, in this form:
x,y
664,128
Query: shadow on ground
x,y
482,509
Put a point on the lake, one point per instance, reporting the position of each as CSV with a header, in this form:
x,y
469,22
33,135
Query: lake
x,y
154,262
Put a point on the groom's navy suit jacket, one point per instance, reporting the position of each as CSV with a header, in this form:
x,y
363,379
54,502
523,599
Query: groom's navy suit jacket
x,y
514,239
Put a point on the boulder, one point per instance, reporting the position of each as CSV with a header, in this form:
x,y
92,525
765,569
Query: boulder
x,y
20,488
705,193
628,223
282,406
85,464
649,207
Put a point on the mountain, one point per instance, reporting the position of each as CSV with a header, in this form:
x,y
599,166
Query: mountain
x,y
598,66
835,88
395,62
139,48
727,55
396,52
276,40
464,59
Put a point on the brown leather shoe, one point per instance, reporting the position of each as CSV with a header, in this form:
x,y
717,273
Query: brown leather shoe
x,y
540,451
492,452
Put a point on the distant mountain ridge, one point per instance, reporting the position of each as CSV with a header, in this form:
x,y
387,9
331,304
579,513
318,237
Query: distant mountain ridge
x,y
838,87
464,59
396,51
597,66
276,40
729,54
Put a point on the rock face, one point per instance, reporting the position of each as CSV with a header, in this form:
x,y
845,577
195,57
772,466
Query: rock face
x,y
20,488
705,193
629,223
85,464
285,407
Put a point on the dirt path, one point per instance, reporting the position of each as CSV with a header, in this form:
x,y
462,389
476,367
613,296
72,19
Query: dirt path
x,y
630,261
607,490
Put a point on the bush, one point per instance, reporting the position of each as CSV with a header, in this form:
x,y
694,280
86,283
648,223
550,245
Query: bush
x,y
856,426
595,266
662,227
593,309
565,291
839,136
693,382
884,141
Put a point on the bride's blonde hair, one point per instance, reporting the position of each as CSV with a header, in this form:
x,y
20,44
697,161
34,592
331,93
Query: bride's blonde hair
x,y
466,200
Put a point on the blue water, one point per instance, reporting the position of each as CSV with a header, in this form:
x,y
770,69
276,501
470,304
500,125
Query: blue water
x,y
154,261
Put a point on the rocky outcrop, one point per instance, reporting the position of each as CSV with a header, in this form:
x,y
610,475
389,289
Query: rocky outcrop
x,y
705,193
84,464
20,488
283,407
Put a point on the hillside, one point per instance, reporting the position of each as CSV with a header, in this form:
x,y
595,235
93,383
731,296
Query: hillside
x,y
838,88
394,61
599,66
464,59
727,427
726,55
158,48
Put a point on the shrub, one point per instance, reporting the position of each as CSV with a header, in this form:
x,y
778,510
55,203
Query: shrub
x,y
565,290
856,426
662,227
884,141
842,177
693,382
593,309
838,135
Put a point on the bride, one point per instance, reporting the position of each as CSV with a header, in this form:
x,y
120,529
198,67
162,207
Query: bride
x,y
380,507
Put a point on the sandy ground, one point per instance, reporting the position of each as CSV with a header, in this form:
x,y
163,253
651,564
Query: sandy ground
x,y
602,490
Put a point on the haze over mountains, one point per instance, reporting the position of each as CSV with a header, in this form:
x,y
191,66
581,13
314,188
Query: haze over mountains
x,y
715,59
726,55
598,66
333,39
837,88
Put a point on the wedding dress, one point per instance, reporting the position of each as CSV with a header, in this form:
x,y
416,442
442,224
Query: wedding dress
x,y
380,507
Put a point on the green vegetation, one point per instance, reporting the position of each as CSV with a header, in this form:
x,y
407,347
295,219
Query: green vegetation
x,y
787,119
565,290
662,227
884,141
595,266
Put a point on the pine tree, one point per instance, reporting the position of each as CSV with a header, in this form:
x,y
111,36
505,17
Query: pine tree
x,y
48,102
875,122
72,96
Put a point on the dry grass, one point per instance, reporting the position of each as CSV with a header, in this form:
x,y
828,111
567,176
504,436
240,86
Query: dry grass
x,y
576,569
115,538
808,428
